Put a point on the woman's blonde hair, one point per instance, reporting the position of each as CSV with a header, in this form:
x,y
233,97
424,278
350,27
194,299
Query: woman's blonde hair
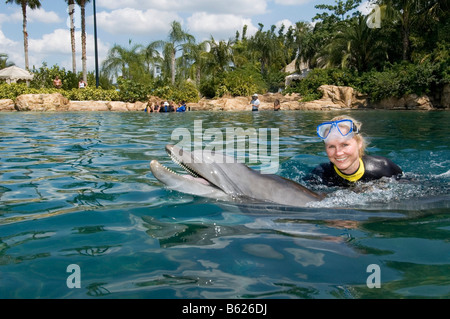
x,y
358,137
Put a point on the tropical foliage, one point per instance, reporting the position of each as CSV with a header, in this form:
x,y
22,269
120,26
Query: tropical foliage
x,y
407,53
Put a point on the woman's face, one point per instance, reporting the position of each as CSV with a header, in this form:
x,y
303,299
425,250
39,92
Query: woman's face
x,y
344,154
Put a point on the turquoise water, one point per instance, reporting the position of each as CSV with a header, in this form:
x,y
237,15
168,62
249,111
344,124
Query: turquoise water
x,y
76,189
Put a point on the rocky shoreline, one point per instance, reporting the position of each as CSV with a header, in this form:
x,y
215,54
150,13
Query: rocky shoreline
x,y
334,98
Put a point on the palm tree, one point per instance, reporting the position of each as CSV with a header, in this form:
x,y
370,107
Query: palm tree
x,y
355,46
265,45
196,55
123,62
4,61
177,38
241,52
71,4
411,13
33,4
82,4
152,57
302,41
220,57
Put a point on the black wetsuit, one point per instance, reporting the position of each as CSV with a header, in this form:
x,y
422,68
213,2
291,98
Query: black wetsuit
x,y
375,167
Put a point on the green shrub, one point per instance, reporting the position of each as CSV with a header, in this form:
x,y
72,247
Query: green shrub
x,y
401,79
308,86
186,91
244,81
91,94
11,91
208,88
131,91
236,85
44,76
395,80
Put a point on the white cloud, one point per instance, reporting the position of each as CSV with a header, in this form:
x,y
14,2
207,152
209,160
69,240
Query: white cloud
x,y
13,49
40,15
242,7
221,26
36,15
58,43
6,43
287,23
132,21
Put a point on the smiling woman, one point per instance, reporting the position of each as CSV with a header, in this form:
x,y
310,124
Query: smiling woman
x,y
345,148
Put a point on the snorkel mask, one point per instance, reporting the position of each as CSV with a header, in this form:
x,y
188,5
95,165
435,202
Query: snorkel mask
x,y
337,129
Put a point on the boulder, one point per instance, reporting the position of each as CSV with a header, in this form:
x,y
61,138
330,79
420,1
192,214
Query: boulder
x,y
336,97
239,103
445,99
414,102
408,102
116,106
91,106
242,103
136,107
42,102
7,105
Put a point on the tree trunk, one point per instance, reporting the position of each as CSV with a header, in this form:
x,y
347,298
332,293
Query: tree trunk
x,y
25,35
72,35
405,44
83,40
198,75
405,35
173,67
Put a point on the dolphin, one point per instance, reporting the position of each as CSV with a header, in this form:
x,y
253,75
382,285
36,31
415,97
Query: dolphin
x,y
221,177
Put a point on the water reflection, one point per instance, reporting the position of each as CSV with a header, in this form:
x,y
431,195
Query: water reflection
x,y
15,241
77,189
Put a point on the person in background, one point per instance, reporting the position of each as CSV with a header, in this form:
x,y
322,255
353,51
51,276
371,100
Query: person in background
x,y
57,83
82,84
182,107
156,108
255,102
348,163
171,107
165,107
162,107
149,108
276,105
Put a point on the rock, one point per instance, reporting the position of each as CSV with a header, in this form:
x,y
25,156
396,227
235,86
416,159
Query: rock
x,y
408,102
242,103
91,106
7,105
336,97
136,107
116,106
42,102
390,103
445,99
239,103
414,102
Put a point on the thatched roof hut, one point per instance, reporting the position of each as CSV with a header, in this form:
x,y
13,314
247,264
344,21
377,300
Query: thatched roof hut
x,y
14,74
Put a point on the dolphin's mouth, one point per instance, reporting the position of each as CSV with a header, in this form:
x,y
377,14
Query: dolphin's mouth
x,y
192,174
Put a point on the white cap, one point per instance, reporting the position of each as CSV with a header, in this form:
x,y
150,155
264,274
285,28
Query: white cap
x,y
166,103
255,95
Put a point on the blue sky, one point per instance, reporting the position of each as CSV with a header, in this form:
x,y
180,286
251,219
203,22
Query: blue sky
x,y
142,21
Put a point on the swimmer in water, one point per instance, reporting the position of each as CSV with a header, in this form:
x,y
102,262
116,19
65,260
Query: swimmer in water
x,y
345,147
